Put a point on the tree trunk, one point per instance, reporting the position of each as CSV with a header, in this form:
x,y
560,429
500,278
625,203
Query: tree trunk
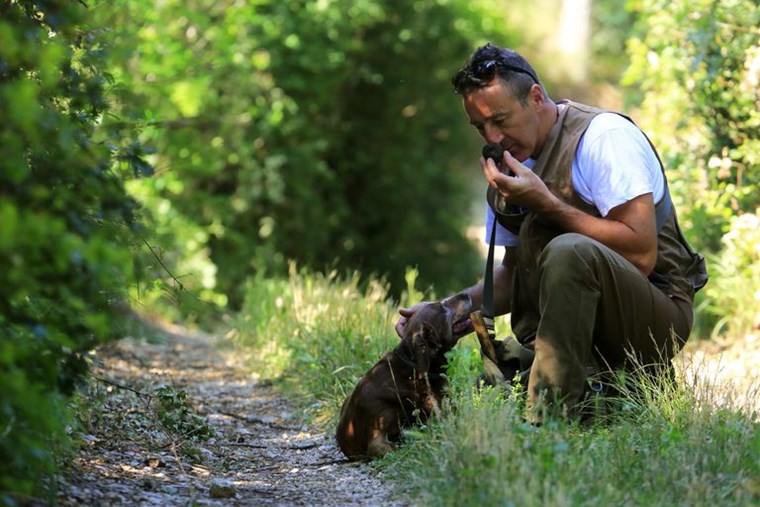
x,y
573,39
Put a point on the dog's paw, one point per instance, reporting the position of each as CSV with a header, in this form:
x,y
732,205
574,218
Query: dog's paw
x,y
379,447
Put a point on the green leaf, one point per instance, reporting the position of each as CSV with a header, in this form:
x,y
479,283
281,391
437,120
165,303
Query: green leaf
x,y
9,225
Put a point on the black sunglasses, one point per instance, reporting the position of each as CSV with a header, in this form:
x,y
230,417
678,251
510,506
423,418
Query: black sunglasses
x,y
486,70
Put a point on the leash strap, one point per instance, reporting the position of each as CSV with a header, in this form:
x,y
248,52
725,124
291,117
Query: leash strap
x,y
487,304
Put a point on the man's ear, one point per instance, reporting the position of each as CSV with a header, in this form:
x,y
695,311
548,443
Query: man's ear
x,y
536,96
424,344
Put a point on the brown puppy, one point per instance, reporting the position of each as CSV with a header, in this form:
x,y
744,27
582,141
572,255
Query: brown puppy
x,y
406,384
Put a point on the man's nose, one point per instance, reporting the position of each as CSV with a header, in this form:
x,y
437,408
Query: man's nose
x,y
492,134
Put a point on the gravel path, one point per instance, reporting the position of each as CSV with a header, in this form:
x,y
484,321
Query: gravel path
x,y
726,372
260,455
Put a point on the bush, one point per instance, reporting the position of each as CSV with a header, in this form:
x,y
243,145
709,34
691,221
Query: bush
x,y
697,65
66,222
734,295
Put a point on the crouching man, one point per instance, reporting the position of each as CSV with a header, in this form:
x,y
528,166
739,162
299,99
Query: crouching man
x,y
595,268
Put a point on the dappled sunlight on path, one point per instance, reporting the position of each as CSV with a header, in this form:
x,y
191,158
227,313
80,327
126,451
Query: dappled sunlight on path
x,y
260,454
724,373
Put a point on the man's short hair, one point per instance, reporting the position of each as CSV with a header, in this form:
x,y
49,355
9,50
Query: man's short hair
x,y
491,61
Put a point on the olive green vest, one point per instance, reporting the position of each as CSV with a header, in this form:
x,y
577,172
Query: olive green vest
x,y
677,271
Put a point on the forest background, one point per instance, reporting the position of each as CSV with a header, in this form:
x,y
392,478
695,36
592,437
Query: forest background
x,y
166,157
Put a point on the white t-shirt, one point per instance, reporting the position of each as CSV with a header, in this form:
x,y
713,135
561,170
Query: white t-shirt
x,y
613,164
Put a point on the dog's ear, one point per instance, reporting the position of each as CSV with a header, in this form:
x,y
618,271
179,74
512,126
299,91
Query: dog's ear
x,y
424,344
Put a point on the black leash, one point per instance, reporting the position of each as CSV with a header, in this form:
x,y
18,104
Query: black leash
x,y
487,304
495,152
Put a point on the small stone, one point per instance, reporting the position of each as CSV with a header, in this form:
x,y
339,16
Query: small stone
x,y
147,484
222,489
154,462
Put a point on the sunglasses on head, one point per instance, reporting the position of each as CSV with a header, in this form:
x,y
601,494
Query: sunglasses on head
x,y
486,70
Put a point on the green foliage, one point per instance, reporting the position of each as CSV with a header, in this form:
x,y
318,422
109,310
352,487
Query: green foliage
x,y
697,65
65,222
176,415
611,26
313,131
733,297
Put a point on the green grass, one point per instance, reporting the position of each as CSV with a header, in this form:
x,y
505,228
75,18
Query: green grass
x,y
316,335
669,445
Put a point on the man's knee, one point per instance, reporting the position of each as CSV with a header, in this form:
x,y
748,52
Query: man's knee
x,y
570,251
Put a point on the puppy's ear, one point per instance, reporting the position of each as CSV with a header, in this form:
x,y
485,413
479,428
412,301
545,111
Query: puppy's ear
x,y
424,344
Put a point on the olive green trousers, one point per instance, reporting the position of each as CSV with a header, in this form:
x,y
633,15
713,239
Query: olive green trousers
x,y
596,305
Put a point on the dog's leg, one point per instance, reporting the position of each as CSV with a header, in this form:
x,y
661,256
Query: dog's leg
x,y
378,446
434,407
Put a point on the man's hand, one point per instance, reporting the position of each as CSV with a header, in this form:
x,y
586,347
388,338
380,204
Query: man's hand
x,y
522,188
406,314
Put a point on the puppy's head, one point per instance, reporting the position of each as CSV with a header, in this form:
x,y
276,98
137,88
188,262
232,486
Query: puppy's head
x,y
431,330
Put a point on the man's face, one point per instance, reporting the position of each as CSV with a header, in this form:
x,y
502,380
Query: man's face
x,y
501,118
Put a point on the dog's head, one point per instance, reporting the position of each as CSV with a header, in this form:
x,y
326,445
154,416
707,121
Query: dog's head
x,y
432,329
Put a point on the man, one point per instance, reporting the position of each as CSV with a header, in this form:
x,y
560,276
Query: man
x,y
595,271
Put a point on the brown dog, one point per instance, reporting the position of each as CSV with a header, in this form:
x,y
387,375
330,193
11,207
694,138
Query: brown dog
x,y
406,384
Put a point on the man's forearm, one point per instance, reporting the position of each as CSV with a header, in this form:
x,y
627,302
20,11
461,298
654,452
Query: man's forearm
x,y
629,229
502,287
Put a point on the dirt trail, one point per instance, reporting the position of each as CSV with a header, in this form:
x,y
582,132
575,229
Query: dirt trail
x,y
260,455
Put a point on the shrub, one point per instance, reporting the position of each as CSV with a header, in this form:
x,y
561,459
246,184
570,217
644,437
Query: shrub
x,y
697,67
65,226
734,294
